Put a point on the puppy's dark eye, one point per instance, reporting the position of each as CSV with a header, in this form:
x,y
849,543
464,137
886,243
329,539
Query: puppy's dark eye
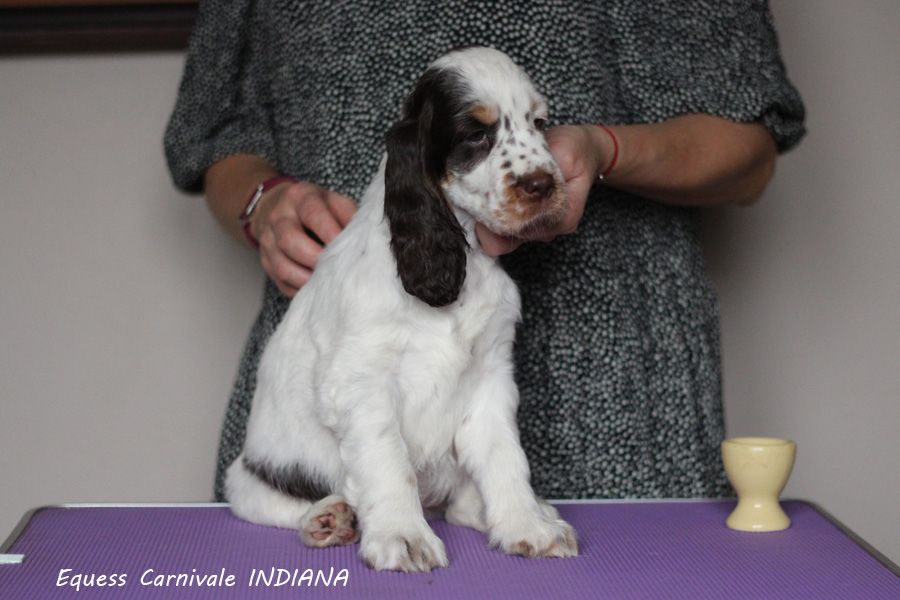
x,y
477,136
540,124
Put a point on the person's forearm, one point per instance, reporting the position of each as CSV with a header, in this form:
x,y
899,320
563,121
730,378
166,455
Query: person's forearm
x,y
229,183
691,160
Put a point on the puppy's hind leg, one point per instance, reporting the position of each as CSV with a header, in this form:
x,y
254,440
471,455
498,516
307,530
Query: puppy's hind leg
x,y
321,523
254,500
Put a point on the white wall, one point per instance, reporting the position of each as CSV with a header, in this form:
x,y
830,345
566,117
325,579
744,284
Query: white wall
x,y
809,279
123,308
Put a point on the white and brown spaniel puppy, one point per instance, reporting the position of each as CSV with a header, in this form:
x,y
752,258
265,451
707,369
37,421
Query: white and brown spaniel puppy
x,y
389,384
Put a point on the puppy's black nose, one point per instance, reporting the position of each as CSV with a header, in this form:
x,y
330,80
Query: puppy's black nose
x,y
537,185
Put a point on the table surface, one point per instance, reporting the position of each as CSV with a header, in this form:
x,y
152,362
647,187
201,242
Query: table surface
x,y
629,549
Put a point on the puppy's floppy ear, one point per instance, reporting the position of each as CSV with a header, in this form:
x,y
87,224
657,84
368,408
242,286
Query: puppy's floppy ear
x,y
426,239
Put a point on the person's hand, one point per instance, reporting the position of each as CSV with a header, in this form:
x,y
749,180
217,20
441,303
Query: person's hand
x,y
286,212
582,152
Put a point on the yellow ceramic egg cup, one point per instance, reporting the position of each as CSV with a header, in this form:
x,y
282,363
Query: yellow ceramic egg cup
x,y
758,468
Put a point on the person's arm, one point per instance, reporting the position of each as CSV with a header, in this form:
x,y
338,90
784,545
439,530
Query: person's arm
x,y
287,253
697,160
229,183
219,133
694,159
687,67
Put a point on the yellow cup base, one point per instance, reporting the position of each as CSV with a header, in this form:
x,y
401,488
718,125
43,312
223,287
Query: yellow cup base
x,y
758,518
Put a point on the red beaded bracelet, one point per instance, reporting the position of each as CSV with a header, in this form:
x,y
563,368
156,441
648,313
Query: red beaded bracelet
x,y
615,156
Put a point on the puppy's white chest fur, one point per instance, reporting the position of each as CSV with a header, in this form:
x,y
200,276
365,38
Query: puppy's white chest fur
x,y
434,368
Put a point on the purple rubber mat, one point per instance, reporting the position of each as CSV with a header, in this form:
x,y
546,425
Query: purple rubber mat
x,y
669,550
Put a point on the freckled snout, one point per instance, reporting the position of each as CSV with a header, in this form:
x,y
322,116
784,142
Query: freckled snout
x,y
534,201
535,186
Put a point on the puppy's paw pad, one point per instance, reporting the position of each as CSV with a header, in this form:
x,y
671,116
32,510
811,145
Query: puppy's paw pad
x,y
329,522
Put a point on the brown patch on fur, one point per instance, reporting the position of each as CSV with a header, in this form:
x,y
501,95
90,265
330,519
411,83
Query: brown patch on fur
x,y
484,114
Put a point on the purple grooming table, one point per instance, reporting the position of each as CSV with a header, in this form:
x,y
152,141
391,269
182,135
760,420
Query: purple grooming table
x,y
640,549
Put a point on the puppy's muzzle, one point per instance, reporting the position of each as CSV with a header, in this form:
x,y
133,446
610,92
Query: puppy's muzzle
x,y
536,186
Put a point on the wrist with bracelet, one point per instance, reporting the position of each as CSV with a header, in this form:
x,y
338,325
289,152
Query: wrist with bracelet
x,y
246,216
615,157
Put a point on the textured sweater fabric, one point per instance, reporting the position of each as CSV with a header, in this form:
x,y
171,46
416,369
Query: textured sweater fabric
x,y
617,358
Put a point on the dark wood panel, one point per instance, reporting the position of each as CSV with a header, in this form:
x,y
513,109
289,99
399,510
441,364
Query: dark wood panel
x,y
103,27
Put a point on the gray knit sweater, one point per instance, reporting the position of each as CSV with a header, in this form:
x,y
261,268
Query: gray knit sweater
x,y
617,358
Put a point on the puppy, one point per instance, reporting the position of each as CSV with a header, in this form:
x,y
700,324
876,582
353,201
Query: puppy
x,y
389,384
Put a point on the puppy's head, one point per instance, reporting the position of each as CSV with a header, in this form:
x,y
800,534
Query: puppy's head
x,y
470,138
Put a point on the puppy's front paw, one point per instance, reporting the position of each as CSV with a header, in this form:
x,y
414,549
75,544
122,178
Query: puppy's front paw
x,y
540,536
419,550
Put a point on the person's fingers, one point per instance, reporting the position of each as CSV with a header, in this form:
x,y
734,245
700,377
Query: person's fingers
x,y
289,248
570,147
290,274
562,148
314,214
493,244
290,292
286,290
292,241
287,275
342,207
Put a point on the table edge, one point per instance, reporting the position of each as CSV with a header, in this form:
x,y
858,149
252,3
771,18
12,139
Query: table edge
x,y
873,552
859,541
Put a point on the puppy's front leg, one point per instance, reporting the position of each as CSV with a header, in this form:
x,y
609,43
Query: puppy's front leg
x,y
488,447
381,483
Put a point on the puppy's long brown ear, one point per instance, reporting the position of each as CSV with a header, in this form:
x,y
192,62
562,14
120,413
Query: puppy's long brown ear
x,y
427,241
